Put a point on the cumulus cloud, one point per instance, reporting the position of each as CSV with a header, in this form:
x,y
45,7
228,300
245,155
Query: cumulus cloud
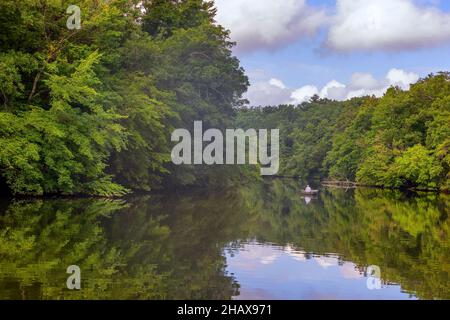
x,y
363,81
356,25
304,93
277,83
363,84
401,78
333,90
390,25
275,92
271,92
257,24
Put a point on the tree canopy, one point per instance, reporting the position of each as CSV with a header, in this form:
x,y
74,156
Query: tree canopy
x,y
399,140
91,110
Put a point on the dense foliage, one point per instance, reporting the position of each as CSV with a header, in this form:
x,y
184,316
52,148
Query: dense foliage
x,y
91,110
399,140
305,132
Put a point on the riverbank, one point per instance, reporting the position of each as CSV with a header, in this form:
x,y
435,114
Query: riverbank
x,y
183,190
353,185
346,184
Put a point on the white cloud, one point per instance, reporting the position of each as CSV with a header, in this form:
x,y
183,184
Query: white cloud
x,y
356,25
277,83
365,92
401,78
363,80
386,25
303,94
363,84
275,92
333,90
260,24
264,93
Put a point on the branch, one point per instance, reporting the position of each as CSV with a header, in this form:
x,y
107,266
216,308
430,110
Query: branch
x,y
33,90
198,53
5,99
51,56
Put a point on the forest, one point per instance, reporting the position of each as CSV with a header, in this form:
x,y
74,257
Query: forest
x,y
90,111
401,140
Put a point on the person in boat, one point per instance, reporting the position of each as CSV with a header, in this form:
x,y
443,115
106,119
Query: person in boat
x,y
308,189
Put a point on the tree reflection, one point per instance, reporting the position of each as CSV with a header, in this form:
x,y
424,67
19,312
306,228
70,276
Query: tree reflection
x,y
172,247
406,235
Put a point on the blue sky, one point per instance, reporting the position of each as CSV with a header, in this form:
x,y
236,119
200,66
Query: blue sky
x,y
300,64
363,45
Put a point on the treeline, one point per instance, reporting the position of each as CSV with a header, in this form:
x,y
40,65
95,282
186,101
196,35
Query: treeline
x,y
91,110
401,140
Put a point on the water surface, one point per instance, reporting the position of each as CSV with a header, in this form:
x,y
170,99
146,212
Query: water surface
x,y
261,241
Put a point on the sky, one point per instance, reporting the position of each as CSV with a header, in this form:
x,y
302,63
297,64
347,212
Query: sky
x,y
338,49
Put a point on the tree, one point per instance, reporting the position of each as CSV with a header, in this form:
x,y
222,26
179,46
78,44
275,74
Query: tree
x,y
91,110
416,167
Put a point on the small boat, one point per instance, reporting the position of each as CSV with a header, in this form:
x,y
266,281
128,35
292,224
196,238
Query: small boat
x,y
310,193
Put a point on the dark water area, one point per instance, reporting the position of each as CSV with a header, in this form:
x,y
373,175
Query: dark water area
x,y
261,241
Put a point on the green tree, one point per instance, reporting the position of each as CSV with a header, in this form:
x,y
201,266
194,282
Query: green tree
x,y
91,110
416,167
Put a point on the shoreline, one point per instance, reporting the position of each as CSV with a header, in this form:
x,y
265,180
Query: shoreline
x,y
354,185
346,184
323,183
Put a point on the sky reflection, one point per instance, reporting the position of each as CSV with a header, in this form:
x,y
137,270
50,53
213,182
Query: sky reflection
x,y
266,271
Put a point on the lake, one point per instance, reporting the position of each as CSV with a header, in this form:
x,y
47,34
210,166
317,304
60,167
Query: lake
x,y
258,241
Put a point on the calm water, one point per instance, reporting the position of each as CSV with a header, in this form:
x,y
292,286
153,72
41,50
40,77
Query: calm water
x,y
259,241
